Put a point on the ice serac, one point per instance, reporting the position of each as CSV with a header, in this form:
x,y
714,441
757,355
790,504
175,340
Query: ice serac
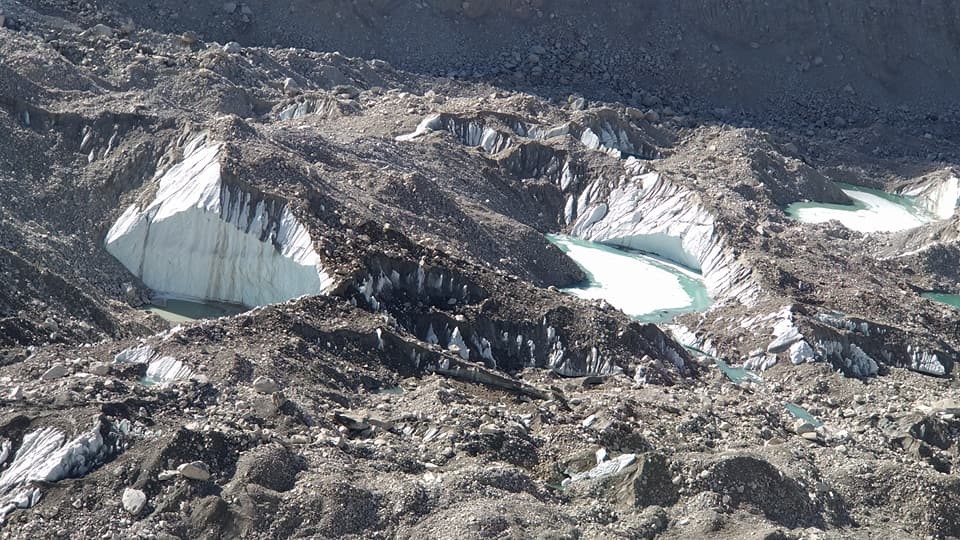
x,y
205,239
650,213
938,196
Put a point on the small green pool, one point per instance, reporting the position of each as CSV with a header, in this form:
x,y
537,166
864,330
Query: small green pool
x,y
944,298
180,311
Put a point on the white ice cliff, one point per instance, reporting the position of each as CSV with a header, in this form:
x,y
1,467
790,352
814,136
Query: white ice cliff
x,y
202,239
650,213
939,196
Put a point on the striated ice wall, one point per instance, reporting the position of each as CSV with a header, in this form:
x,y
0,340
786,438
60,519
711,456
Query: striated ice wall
x,y
45,455
203,239
939,196
650,213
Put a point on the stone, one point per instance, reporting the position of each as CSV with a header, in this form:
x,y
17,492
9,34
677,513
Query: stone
x,y
195,470
101,30
189,37
16,394
802,426
55,372
51,325
650,484
101,369
351,421
230,7
134,501
291,87
651,116
634,113
232,48
265,385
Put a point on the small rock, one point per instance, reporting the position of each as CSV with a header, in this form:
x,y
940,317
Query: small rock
x,y
51,325
265,385
55,372
16,394
290,87
100,368
189,37
800,427
651,116
634,113
232,48
101,30
134,500
196,470
354,422
230,7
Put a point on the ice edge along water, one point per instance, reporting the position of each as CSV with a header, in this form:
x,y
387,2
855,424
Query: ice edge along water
x,y
642,211
201,239
872,211
639,285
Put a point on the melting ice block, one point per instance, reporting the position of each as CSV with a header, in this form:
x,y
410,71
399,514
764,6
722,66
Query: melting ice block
x,y
204,239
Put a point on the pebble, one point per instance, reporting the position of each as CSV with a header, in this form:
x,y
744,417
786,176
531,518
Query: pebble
x,y
16,394
265,385
189,37
134,500
55,372
51,325
232,48
100,368
195,470
290,87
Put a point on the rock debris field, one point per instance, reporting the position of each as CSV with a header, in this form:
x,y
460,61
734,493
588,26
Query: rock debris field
x,y
526,269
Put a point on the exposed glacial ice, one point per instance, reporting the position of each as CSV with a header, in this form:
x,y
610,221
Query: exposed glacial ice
x,y
203,239
639,285
650,213
46,455
872,211
160,369
939,196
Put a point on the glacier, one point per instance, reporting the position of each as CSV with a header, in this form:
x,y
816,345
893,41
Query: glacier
x,y
872,211
204,239
45,455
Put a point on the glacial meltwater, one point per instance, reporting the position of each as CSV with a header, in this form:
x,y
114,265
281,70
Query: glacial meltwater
x,y
943,298
642,286
872,211
179,311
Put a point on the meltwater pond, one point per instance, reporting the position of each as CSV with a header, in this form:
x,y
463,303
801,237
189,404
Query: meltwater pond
x,y
872,211
644,287
180,311
943,298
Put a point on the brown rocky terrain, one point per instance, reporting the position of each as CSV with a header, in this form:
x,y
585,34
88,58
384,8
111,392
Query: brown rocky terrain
x,y
427,377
